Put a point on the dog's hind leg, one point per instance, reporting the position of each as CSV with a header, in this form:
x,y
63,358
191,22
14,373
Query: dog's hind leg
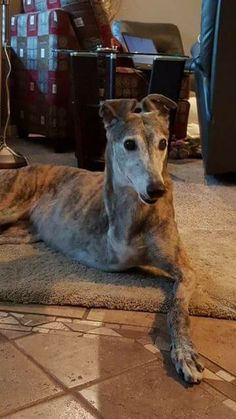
x,y
14,202
183,353
13,214
18,190
20,233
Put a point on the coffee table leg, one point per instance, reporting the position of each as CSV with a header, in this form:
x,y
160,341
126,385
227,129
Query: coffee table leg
x,y
85,102
166,79
110,76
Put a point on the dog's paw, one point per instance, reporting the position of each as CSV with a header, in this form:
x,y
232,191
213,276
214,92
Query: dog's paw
x,y
187,363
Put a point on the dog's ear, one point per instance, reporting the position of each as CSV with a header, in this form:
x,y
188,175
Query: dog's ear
x,y
113,110
160,103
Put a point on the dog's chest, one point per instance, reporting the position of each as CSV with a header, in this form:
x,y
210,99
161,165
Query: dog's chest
x,y
127,252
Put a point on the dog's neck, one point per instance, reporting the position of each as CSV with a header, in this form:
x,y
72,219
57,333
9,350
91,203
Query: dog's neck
x,y
120,200
123,206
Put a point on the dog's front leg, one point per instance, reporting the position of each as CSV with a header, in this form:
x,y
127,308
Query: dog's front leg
x,y
183,353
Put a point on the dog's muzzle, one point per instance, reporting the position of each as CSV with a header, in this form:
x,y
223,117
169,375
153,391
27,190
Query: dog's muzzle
x,y
146,200
151,200
154,191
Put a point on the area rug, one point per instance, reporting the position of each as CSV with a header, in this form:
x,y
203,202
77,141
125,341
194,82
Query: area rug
x,y
205,212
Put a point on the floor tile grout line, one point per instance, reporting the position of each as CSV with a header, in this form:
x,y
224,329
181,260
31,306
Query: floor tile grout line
x,y
36,363
94,382
84,317
28,325
22,311
73,391
76,333
9,314
9,307
102,324
211,384
69,329
58,382
216,390
220,368
85,403
97,334
84,386
15,330
77,397
223,374
32,404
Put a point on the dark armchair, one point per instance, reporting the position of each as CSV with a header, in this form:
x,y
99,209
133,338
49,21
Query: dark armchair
x,y
215,75
167,38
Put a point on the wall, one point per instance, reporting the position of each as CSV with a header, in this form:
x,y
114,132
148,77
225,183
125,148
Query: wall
x,y
184,13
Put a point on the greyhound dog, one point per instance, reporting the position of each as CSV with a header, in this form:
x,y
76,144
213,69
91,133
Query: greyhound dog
x,y
118,219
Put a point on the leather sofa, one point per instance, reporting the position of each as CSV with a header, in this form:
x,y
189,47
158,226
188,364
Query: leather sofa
x,y
167,39
214,59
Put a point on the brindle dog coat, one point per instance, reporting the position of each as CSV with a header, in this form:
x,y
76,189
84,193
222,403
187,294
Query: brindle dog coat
x,y
118,219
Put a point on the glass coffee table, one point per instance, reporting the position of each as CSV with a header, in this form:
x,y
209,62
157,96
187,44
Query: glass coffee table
x,y
164,72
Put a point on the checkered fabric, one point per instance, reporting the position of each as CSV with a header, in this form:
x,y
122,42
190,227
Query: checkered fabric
x,y
40,40
41,82
89,18
42,5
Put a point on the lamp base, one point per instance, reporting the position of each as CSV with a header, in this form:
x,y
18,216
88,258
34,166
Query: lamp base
x,y
9,159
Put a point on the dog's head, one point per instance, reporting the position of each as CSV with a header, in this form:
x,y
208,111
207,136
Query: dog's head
x,y
137,142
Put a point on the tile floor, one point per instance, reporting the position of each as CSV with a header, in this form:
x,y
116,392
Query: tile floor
x,y
68,362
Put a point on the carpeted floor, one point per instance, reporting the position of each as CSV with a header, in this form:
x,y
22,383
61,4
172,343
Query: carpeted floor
x,y
205,211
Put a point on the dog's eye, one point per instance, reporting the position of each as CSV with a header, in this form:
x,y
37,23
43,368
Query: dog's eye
x,y
162,144
130,145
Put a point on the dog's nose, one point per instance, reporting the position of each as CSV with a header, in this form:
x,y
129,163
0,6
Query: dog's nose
x,y
155,190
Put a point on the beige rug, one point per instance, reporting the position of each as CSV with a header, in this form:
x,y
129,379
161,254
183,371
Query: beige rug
x,y
207,222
